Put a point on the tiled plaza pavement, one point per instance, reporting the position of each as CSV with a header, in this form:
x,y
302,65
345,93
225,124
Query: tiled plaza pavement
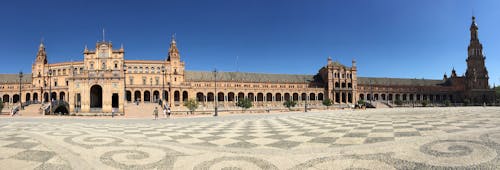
x,y
421,138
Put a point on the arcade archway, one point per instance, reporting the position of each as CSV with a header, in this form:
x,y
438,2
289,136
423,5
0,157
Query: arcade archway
x,y
96,96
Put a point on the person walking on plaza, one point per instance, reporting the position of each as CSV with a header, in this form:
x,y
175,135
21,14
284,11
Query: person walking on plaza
x,y
155,112
168,112
164,112
14,111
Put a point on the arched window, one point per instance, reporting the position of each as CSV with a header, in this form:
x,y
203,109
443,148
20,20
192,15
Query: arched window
x,y
220,97
200,97
241,96
287,96
295,96
184,96
210,97
230,96
177,96
278,97
260,97
251,97
312,96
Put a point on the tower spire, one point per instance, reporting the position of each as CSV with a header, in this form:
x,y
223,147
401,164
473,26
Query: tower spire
x,y
103,35
41,43
173,38
173,52
473,30
85,49
41,55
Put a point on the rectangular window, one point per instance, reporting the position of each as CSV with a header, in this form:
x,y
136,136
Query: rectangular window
x,y
78,100
131,81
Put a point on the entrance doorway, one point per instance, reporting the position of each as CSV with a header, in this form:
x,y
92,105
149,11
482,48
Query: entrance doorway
x,y
15,98
129,96
96,96
114,100
147,96
45,97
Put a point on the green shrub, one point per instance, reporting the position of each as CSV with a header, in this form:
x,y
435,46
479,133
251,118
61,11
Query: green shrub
x,y
361,102
244,104
289,104
327,102
447,102
466,102
191,104
398,102
425,103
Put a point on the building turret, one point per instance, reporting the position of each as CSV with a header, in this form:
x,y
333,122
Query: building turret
x,y
173,52
41,55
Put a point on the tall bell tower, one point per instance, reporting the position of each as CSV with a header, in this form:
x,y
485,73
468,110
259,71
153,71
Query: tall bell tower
x,y
38,69
476,75
175,67
477,89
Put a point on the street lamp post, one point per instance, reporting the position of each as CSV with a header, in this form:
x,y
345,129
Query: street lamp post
x,y
371,92
152,91
305,106
169,69
50,91
216,96
75,104
163,85
20,89
124,86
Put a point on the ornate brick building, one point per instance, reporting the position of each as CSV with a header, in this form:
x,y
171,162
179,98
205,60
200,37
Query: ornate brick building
x,y
104,81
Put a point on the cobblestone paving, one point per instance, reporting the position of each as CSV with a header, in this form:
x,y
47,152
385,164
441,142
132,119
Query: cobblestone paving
x,y
422,138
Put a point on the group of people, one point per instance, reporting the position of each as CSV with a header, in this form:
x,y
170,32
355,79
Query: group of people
x,y
166,111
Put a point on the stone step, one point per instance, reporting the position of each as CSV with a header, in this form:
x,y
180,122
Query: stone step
x,y
141,110
31,110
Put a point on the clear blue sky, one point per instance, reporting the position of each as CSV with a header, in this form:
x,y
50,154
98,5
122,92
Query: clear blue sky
x,y
388,38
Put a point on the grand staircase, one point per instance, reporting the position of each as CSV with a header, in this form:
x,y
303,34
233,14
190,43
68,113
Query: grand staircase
x,y
31,110
378,104
142,110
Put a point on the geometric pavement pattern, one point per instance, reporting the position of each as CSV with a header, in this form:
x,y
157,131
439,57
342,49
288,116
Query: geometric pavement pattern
x,y
434,138
23,152
293,132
